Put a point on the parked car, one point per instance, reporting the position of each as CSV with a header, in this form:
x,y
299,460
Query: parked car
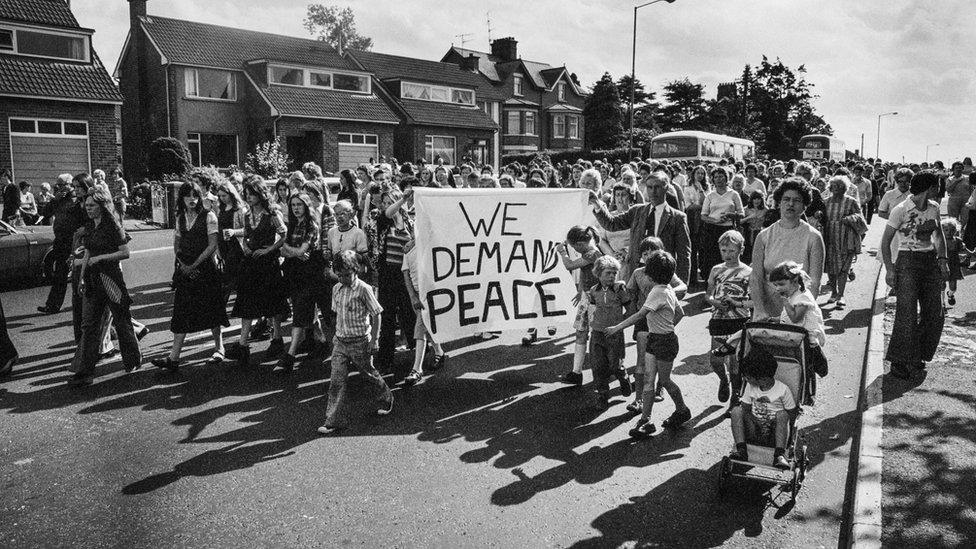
x,y
25,251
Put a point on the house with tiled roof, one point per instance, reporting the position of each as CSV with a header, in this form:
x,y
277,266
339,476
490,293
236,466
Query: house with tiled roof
x,y
445,111
57,101
542,105
222,91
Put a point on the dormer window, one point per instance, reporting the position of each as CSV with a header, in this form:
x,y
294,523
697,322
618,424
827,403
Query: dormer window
x,y
285,75
43,43
517,82
210,84
561,91
439,94
318,78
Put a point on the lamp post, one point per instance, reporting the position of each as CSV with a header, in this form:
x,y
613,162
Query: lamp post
x,y
927,147
633,76
877,150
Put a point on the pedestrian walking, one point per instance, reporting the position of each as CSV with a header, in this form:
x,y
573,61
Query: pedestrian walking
x,y
394,229
66,215
844,226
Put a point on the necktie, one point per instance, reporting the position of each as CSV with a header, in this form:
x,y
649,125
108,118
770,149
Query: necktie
x,y
651,222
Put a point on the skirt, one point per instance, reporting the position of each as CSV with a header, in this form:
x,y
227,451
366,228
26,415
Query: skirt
x,y
199,304
261,289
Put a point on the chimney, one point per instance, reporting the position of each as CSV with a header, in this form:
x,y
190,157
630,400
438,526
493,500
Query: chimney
x,y
505,48
137,9
470,63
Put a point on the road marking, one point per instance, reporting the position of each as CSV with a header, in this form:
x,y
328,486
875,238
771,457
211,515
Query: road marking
x,y
151,250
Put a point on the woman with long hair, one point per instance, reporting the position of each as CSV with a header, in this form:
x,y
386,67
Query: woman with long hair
x,y
103,246
230,222
198,302
363,177
442,178
347,189
394,230
694,192
281,194
260,289
426,177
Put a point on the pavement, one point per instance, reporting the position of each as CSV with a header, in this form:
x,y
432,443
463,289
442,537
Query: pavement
x,y
490,451
135,225
928,440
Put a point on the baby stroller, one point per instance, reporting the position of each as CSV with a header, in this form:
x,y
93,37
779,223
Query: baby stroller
x,y
786,343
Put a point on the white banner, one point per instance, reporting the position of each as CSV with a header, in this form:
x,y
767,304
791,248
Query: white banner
x,y
487,258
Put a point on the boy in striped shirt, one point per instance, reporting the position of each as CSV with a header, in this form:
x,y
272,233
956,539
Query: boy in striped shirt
x,y
357,324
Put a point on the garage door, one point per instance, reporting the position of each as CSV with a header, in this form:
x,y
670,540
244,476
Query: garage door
x,y
43,149
356,149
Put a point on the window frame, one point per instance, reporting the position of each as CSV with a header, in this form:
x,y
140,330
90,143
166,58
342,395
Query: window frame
x,y
508,122
195,71
14,48
572,126
556,124
198,141
429,147
561,92
341,136
37,132
307,78
518,85
449,90
529,115
13,44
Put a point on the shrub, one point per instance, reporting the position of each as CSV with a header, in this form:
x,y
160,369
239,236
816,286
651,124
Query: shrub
x,y
167,158
268,160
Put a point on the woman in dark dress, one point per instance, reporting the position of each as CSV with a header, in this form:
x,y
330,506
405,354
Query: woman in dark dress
x,y
347,189
260,288
198,303
103,246
395,229
230,222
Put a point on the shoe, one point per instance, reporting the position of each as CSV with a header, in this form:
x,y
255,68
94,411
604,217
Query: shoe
x,y
780,462
261,330
850,276
901,371
412,378
832,299
572,378
551,330
129,369
276,347
142,333
724,392
307,345
659,394
286,363
327,430
385,408
48,310
625,386
677,419
216,358
530,337
952,298
243,356
166,364
723,350
81,379
739,456
635,407
7,366
643,429
438,362
489,335
841,303
108,354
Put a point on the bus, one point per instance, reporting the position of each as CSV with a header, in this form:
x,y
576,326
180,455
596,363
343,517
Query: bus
x,y
821,147
695,145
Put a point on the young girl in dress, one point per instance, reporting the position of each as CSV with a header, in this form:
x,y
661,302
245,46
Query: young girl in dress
x,y
583,239
954,247
800,309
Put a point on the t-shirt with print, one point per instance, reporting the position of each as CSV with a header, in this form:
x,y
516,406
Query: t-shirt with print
x,y
914,226
765,404
812,319
661,305
732,282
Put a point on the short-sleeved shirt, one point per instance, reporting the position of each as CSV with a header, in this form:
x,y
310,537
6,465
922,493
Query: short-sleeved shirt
x,y
586,277
914,226
812,319
717,204
640,284
891,199
608,305
353,306
662,304
732,283
765,404
352,238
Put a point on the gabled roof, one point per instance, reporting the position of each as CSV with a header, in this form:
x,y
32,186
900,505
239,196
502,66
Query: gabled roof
x,y
542,75
191,43
32,77
334,105
486,64
395,67
55,13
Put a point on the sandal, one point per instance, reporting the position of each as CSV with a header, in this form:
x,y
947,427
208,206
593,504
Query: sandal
x,y
635,407
723,350
216,358
412,378
643,429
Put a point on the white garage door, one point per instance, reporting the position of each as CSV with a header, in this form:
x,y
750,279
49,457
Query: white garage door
x,y
43,149
356,149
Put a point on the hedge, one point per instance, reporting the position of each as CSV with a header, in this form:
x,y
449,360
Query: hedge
x,y
612,155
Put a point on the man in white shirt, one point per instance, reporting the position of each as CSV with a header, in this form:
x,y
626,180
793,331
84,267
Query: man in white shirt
x,y
864,192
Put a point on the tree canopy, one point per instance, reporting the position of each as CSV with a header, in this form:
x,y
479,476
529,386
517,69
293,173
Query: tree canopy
x,y
336,27
602,115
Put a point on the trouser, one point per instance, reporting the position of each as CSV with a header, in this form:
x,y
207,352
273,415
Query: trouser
x,y
606,355
397,309
59,277
868,210
93,307
350,352
7,348
919,316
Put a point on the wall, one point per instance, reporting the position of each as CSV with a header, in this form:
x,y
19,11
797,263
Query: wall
x,y
330,134
138,129
411,141
208,116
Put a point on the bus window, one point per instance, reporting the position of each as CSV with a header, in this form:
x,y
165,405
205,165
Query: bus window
x,y
672,147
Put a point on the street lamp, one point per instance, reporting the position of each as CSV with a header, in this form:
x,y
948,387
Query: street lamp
x,y
927,147
877,151
633,76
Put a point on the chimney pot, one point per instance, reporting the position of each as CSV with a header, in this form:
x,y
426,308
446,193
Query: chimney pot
x,y
505,48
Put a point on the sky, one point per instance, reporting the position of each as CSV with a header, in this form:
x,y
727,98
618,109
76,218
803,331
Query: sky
x,y
864,58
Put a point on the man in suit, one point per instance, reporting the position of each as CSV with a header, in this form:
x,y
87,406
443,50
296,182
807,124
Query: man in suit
x,y
656,218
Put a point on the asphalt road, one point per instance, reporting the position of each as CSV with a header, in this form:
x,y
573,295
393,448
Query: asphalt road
x,y
490,451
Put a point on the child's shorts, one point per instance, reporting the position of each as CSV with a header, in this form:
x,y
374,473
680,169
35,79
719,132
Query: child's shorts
x,y
720,327
640,326
664,347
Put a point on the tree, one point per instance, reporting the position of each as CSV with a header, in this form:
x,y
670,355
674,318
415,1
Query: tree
x,y
336,27
645,108
686,106
267,160
780,103
602,115
167,158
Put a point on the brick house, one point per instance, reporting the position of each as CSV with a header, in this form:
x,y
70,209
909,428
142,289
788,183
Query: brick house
x,y
57,102
542,106
444,110
222,91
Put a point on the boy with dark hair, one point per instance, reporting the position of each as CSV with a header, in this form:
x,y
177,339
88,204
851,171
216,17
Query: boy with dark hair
x,y
765,410
357,324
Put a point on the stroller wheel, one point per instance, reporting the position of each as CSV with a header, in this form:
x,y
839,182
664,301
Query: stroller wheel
x,y
795,485
802,461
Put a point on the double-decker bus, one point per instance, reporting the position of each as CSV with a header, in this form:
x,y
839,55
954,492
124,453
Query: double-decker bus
x,y
695,145
821,147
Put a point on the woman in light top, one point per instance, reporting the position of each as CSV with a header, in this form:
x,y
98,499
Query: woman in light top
x,y
720,210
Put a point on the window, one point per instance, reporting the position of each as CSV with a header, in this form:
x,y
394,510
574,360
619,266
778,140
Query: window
x,y
441,94
559,125
49,128
561,91
6,39
440,146
208,149
358,139
23,126
573,127
517,83
284,75
514,127
211,84
47,44
322,79
529,128
350,82
464,97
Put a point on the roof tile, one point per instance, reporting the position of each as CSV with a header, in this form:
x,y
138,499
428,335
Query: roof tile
x,y
56,13
44,78
447,114
334,105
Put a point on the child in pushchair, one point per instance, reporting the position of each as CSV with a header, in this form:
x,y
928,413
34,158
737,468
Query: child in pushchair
x,y
766,409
